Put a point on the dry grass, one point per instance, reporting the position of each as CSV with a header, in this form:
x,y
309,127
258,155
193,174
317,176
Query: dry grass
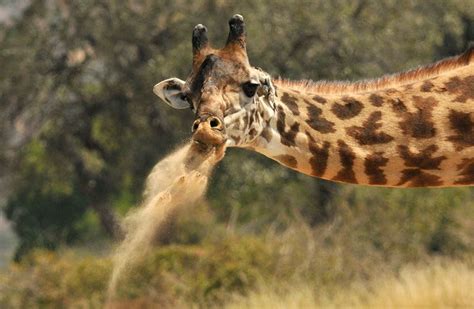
x,y
440,284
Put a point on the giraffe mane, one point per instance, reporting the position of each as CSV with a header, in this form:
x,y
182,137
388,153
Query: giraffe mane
x,y
387,81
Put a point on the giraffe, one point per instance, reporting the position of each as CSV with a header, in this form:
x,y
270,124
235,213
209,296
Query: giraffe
x,y
411,129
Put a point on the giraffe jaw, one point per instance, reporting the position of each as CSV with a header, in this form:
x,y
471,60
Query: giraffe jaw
x,y
208,140
200,153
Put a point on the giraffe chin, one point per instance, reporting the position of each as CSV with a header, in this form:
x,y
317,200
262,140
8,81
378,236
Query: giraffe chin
x,y
209,137
207,141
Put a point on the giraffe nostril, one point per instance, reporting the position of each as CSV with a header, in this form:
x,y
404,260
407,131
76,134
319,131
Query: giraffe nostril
x,y
195,125
215,122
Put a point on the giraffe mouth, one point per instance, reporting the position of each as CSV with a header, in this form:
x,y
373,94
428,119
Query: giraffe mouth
x,y
208,132
208,141
206,138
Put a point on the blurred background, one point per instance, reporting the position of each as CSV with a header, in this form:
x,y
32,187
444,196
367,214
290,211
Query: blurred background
x,y
81,129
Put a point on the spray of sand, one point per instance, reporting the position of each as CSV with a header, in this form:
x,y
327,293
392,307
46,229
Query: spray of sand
x,y
178,180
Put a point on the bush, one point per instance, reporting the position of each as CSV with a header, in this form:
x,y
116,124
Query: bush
x,y
170,274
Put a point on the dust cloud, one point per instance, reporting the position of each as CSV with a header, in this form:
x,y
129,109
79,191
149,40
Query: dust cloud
x,y
179,180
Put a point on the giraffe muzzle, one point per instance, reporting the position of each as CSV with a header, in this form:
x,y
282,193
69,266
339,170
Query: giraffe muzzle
x,y
209,130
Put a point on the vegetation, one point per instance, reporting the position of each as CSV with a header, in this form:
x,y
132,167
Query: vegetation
x,y
367,254
81,128
439,284
348,261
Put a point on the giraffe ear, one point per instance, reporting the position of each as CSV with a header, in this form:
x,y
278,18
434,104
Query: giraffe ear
x,y
171,91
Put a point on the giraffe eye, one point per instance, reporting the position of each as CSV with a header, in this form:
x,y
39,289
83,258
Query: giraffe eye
x,y
250,88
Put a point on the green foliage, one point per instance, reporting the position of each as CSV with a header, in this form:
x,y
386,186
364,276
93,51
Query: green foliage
x,y
410,220
45,201
200,275
45,279
327,260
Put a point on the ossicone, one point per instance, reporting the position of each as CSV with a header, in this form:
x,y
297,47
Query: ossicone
x,y
236,36
200,39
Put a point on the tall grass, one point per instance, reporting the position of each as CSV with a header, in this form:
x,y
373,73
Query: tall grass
x,y
438,284
378,251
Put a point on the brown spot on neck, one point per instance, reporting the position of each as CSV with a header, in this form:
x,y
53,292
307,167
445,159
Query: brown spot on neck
x,y
420,123
319,99
252,133
418,162
376,100
367,134
373,168
463,126
320,155
398,106
349,109
422,160
291,103
466,172
427,86
317,122
419,178
287,137
462,88
236,139
287,160
347,157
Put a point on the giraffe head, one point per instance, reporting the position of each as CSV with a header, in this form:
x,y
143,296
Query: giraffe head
x,y
231,99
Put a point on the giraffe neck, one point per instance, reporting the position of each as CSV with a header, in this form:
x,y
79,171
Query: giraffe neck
x,y
415,133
